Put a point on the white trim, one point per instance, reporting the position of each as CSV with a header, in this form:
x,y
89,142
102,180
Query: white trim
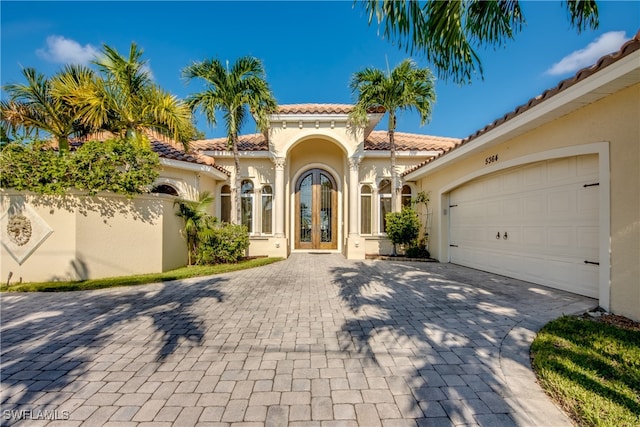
x,y
599,148
273,217
400,153
253,204
307,118
218,199
259,154
371,207
377,231
412,187
178,185
193,167
623,73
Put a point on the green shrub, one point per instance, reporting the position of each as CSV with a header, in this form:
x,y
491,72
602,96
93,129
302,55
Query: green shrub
x,y
403,227
222,243
115,165
418,250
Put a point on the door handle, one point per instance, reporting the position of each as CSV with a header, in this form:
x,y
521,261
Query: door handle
x,y
498,235
505,236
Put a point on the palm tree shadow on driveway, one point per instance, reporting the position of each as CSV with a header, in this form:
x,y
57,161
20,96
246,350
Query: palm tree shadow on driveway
x,y
451,337
110,334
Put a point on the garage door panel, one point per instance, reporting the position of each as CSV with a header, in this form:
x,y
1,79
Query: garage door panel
x,y
512,208
534,175
550,216
587,166
588,237
561,169
562,238
512,181
588,200
535,205
534,236
562,203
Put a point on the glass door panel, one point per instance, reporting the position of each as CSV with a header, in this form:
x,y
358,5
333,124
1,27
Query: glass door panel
x,y
305,220
316,199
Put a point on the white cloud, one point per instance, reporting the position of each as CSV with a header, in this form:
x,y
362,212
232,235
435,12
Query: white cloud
x,y
606,43
147,68
67,51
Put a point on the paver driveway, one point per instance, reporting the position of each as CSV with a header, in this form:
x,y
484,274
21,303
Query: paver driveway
x,y
314,340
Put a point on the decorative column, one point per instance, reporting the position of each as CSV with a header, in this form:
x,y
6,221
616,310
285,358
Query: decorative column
x,y
354,168
355,244
280,196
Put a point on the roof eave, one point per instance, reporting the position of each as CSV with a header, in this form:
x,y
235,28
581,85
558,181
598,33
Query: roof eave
x,y
195,167
613,78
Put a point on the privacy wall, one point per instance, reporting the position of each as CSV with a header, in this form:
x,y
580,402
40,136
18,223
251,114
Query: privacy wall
x,y
76,237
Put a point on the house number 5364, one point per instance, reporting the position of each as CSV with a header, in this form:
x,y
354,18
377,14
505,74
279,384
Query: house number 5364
x,y
491,159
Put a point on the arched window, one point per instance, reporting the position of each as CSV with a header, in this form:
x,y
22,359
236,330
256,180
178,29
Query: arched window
x,y
406,196
246,204
267,209
365,209
384,195
225,204
165,189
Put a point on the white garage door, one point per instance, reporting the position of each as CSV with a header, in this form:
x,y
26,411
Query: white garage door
x,y
537,222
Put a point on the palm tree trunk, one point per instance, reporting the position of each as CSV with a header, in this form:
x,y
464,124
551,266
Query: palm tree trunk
x,y
63,144
394,174
237,184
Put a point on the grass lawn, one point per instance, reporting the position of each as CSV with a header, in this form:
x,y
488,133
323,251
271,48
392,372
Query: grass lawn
x,y
591,369
141,279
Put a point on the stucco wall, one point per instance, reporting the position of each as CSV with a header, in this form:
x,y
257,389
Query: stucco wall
x,y
96,237
614,120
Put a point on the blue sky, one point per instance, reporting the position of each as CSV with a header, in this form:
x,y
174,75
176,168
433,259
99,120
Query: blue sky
x,y
309,49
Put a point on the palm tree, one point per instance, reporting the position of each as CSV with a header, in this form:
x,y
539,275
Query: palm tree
x,y
34,107
444,31
123,99
406,87
236,92
195,217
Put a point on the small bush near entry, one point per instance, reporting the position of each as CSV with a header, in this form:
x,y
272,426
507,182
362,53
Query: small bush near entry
x,y
418,250
222,243
403,227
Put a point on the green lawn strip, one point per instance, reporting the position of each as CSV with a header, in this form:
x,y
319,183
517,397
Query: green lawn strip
x,y
591,369
141,279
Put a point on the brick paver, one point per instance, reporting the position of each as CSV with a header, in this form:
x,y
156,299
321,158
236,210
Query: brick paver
x,y
316,340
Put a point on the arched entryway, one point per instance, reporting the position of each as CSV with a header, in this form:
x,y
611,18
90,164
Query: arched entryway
x,y
316,212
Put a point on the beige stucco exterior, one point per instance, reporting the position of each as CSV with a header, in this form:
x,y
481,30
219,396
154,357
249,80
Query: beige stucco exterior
x,y
608,127
595,113
92,237
297,144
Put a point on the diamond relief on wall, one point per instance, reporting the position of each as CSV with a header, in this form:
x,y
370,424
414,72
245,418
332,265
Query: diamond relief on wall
x,y
23,231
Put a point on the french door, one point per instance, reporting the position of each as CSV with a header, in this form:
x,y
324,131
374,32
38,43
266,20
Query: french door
x,y
316,212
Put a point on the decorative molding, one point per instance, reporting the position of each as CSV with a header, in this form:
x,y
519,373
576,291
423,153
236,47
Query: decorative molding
x,y
279,162
19,229
354,163
23,231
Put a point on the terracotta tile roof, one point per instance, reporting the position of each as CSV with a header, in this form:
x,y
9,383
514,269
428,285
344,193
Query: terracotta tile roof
x,y
252,142
378,140
626,49
320,109
162,146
